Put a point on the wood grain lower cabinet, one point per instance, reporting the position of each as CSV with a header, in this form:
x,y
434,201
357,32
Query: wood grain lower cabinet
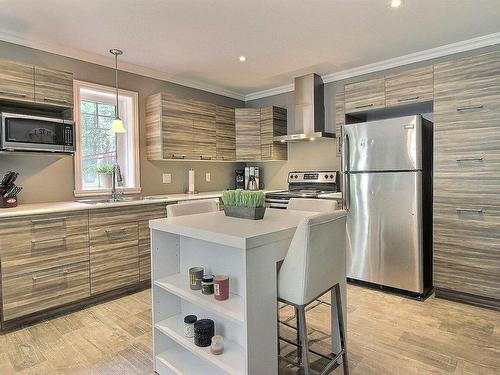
x,y
410,86
17,81
466,184
364,96
225,133
53,87
248,146
273,123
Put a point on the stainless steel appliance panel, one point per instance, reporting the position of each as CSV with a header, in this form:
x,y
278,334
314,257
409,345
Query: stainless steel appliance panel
x,y
385,145
384,229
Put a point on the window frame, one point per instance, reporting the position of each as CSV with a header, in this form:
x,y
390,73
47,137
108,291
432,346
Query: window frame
x,y
78,176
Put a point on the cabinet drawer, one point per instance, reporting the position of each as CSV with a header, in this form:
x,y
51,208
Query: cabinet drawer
x,y
364,96
465,163
16,81
411,86
44,289
53,87
466,189
122,215
144,261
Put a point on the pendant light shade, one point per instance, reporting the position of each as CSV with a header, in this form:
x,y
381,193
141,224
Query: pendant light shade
x,y
117,125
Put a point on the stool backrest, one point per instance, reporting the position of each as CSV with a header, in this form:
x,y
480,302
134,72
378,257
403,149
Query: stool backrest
x,y
191,208
310,204
316,258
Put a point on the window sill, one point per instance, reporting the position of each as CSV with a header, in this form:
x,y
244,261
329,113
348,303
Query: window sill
x,y
101,192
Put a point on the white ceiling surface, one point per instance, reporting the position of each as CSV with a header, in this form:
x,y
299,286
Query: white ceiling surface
x,y
199,41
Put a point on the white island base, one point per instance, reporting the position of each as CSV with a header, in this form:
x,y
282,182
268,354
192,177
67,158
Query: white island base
x,y
248,252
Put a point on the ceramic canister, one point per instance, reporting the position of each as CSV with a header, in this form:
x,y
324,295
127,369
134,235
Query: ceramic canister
x,y
221,287
195,276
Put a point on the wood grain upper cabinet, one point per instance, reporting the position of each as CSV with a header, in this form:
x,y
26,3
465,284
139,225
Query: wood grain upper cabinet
x,y
273,123
225,133
53,87
410,86
248,134
365,95
339,118
466,184
17,81
204,126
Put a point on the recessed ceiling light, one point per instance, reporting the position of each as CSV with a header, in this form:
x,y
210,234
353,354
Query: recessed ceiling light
x,y
243,58
396,3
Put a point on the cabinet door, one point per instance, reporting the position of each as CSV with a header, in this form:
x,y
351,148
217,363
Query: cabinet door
x,y
364,96
339,118
273,123
248,145
225,133
177,128
150,212
203,115
411,86
153,127
53,87
466,169
16,81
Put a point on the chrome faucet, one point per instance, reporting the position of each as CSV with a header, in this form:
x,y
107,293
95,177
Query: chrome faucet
x,y
116,180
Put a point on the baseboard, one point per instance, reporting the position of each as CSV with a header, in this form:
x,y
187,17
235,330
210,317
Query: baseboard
x,y
470,299
30,319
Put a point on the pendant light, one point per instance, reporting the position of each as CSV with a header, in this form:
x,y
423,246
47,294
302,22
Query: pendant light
x,y
117,125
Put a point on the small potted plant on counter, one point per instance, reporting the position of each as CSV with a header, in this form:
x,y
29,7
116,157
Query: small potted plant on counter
x,y
105,172
244,204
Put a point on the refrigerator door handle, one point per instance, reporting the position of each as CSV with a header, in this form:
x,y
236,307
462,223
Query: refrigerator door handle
x,y
345,168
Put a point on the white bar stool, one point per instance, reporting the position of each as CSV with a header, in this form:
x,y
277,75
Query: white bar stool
x,y
310,204
191,208
314,265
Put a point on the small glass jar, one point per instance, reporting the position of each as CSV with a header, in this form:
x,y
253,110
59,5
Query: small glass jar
x,y
217,346
207,284
189,321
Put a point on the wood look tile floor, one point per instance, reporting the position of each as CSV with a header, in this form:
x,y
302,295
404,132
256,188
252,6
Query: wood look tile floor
x,y
387,334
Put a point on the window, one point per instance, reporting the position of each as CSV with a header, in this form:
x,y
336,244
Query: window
x,y
97,148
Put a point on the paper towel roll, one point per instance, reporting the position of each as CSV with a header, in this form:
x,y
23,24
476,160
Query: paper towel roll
x,y
191,181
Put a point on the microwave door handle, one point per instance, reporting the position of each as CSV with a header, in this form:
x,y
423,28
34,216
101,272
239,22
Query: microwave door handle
x,y
345,169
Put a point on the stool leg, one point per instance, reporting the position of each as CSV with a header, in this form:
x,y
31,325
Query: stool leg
x,y
338,300
299,348
303,334
335,331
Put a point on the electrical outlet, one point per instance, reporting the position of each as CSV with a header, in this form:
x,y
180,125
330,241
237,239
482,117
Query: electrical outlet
x,y
207,177
167,178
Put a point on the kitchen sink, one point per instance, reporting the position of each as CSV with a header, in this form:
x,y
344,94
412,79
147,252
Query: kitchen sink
x,y
109,200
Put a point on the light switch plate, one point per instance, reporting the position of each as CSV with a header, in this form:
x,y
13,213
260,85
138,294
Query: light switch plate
x,y
167,178
207,177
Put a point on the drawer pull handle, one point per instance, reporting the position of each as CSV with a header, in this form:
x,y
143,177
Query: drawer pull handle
x,y
111,231
470,108
204,157
51,220
174,156
473,210
13,94
470,159
364,106
55,100
408,99
34,242
61,273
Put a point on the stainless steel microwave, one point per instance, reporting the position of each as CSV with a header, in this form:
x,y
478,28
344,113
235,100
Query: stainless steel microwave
x,y
20,132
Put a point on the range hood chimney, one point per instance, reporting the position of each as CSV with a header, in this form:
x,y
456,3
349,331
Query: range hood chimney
x,y
309,110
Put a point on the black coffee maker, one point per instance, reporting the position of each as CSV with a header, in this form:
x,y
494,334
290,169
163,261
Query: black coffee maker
x,y
239,179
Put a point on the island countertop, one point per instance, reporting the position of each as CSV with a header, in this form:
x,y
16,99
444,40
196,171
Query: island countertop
x,y
216,227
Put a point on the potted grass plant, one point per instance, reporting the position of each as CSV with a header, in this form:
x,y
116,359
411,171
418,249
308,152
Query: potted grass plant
x,y
105,176
244,204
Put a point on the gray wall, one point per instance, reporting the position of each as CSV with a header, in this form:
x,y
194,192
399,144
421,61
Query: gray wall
x,y
47,178
321,154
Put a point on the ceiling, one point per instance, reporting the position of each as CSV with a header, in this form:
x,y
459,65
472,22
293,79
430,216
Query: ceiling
x,y
198,42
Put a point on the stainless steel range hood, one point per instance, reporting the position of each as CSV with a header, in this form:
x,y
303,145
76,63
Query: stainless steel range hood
x,y
309,110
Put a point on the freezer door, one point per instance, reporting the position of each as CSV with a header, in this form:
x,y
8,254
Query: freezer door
x,y
385,145
384,229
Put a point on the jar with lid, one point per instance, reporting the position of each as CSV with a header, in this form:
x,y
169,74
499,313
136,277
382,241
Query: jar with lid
x,y
189,321
207,284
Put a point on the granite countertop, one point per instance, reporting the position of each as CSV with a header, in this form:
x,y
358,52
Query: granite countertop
x,y
51,207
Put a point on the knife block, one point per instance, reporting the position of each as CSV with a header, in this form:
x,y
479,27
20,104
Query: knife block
x,y
7,202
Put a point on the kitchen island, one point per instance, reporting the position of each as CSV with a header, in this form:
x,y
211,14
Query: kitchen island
x,y
248,252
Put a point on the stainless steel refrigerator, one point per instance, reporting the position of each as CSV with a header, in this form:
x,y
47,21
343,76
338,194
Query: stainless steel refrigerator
x,y
387,167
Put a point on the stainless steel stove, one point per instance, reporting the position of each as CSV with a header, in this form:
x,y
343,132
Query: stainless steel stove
x,y
304,184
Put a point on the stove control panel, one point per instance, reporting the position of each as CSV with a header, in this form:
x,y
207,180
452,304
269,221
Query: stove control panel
x,y
313,177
